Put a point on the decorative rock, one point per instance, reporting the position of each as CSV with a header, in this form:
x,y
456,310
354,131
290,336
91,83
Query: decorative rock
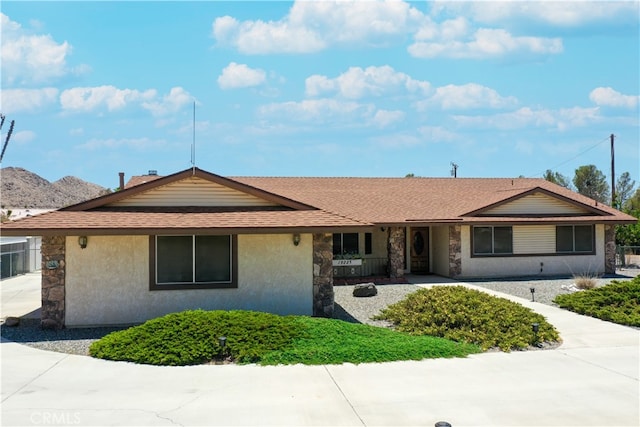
x,y
12,321
49,324
365,290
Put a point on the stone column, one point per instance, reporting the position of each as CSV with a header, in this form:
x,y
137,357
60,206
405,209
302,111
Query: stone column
x,y
455,251
610,249
395,252
53,282
323,297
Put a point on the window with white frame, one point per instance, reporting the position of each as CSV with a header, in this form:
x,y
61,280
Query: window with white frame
x,y
193,261
575,239
490,240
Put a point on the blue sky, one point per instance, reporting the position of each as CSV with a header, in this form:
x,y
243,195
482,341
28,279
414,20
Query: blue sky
x,y
319,88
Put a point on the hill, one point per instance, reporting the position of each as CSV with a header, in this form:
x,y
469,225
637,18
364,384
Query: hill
x,y
23,189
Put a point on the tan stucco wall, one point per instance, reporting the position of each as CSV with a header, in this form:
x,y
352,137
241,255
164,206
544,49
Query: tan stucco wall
x,y
108,282
530,265
440,252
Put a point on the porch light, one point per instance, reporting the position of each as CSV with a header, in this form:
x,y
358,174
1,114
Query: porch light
x,y
82,241
296,239
533,291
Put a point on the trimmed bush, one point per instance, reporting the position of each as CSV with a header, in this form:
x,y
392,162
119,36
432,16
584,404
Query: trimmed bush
x,y
192,337
617,302
467,315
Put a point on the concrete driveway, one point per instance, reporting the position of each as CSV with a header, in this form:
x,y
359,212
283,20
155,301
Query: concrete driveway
x,y
591,380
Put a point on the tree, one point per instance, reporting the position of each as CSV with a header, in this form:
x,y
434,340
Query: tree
x,y
557,178
633,204
624,189
591,182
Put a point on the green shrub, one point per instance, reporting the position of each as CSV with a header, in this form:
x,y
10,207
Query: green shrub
x,y
466,315
618,302
192,337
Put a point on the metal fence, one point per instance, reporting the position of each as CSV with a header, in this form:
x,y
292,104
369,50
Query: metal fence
x,y
627,256
369,267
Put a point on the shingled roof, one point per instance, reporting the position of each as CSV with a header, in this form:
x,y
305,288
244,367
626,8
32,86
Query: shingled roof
x,y
315,205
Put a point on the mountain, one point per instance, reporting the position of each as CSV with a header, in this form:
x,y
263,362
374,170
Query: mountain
x,y
23,189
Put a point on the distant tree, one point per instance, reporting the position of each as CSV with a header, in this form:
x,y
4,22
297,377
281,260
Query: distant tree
x,y
624,189
633,203
557,178
591,182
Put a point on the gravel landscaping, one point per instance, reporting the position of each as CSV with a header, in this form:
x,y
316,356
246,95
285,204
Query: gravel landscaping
x,y
348,308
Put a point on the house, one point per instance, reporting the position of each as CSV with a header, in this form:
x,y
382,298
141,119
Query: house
x,y
199,240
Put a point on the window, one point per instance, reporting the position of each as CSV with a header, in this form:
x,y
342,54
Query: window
x,y
574,239
345,244
492,240
368,246
180,262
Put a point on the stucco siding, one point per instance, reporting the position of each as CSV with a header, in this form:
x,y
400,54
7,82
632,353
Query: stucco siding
x,y
108,282
543,265
440,243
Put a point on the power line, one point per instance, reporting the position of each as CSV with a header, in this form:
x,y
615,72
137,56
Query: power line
x,y
573,158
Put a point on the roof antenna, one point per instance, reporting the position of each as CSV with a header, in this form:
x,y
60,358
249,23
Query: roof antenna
x,y
454,170
193,143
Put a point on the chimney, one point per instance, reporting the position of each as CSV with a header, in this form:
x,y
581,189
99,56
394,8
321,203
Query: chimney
x,y
121,175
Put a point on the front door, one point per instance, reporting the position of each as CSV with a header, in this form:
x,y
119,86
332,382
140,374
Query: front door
x,y
420,250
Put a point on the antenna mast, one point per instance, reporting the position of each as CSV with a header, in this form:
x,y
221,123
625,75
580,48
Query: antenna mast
x,y
193,143
454,170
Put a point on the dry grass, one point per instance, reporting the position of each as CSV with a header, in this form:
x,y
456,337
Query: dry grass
x,y
585,281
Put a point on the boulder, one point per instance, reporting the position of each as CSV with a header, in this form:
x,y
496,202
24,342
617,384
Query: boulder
x,y
12,321
365,290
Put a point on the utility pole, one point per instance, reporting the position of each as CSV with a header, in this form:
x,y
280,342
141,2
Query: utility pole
x,y
6,141
613,175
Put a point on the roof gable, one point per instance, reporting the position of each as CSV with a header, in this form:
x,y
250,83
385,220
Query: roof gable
x,y
192,187
537,202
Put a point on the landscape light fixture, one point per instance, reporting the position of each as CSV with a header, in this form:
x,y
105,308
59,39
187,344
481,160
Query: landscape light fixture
x,y
535,327
442,424
533,291
82,241
296,239
223,342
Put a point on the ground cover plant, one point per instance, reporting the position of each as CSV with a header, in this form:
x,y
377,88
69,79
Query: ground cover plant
x,y
192,337
618,302
467,315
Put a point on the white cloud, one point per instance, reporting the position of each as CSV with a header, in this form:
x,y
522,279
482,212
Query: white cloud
x,y
468,96
384,118
318,111
32,58
27,100
561,119
76,131
486,43
357,83
171,103
239,76
86,99
608,97
436,134
557,13
139,144
312,26
23,136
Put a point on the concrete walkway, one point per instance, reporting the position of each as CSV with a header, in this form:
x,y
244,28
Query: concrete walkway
x,y
591,380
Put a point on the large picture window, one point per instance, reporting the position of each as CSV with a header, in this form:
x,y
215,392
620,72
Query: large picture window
x,y
492,240
193,261
574,239
345,244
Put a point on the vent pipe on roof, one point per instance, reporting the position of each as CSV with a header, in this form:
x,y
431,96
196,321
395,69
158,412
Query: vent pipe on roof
x,y
121,175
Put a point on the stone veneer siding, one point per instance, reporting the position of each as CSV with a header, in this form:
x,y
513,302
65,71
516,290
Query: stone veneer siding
x,y
323,296
53,282
609,249
396,251
455,251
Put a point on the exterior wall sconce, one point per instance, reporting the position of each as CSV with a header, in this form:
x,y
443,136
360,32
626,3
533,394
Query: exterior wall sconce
x,y
296,239
82,241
